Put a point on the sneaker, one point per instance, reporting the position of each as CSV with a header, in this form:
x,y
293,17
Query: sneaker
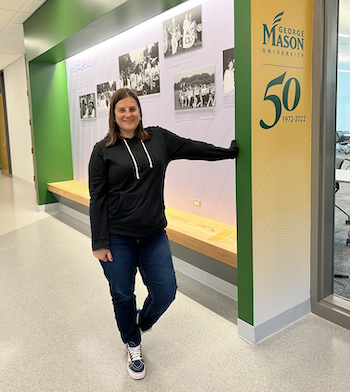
x,y
136,366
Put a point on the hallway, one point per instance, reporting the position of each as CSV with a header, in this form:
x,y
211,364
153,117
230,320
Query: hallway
x,y
57,329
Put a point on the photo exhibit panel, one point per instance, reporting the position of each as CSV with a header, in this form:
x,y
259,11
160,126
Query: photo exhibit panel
x,y
229,70
104,94
195,88
87,105
196,108
183,32
139,70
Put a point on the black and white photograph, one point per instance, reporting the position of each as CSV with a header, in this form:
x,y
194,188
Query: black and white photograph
x,y
195,88
139,70
229,71
104,94
87,105
183,32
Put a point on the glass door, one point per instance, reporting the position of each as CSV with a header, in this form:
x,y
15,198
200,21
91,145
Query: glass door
x,y
330,191
341,284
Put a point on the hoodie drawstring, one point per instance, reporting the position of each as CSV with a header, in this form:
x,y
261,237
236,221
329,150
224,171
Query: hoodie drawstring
x,y
148,156
137,172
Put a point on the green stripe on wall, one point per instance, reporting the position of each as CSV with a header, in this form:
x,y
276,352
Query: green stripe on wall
x,y
50,121
243,137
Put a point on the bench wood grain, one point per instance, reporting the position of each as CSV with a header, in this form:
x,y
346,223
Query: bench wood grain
x,y
207,236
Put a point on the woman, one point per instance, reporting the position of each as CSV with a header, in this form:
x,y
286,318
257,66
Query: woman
x,y
229,79
126,181
174,42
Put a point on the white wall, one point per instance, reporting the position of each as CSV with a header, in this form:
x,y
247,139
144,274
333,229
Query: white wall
x,y
18,121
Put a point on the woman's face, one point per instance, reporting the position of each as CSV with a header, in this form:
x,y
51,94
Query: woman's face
x,y
127,116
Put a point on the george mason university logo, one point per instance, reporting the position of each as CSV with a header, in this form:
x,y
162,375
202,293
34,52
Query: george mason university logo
x,y
285,38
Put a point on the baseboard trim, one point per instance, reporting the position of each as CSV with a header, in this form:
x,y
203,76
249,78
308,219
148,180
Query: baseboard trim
x,y
74,213
204,277
24,182
52,207
257,334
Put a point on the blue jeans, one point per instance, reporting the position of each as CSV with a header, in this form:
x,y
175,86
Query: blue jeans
x,y
152,256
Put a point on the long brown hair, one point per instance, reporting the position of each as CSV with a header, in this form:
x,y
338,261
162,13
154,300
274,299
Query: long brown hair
x,y
114,131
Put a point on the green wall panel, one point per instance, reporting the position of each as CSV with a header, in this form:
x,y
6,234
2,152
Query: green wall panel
x,y
50,122
57,20
63,28
243,137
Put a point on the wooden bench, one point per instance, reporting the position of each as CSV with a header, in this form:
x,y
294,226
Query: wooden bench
x,y
206,236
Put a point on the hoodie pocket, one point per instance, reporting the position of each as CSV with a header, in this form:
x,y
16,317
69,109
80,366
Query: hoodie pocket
x,y
137,211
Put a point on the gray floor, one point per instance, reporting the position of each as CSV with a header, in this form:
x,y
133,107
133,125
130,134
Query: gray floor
x,y
57,330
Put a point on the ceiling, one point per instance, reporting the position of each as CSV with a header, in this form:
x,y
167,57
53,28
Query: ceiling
x,y
14,12
12,15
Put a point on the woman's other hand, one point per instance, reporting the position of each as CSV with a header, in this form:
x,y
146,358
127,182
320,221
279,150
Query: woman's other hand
x,y
103,254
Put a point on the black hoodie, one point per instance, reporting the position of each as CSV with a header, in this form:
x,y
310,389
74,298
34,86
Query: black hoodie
x,y
126,182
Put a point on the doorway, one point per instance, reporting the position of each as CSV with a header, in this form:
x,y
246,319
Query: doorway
x,y
5,161
341,284
330,193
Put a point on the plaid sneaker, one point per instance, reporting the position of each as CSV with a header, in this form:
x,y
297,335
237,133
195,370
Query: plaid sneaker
x,y
136,366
